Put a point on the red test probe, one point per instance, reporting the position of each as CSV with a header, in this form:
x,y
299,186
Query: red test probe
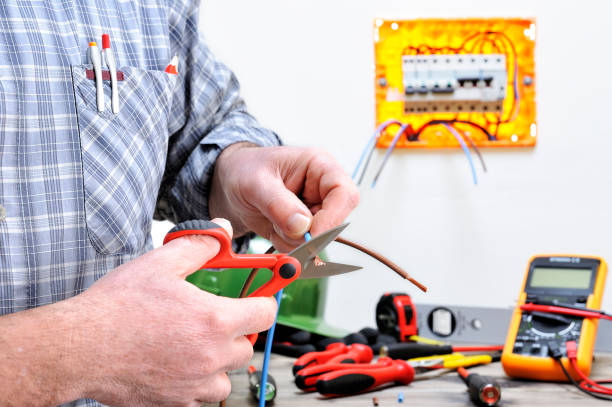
x,y
588,386
566,310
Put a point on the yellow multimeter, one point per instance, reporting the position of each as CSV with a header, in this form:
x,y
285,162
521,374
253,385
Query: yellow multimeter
x,y
577,281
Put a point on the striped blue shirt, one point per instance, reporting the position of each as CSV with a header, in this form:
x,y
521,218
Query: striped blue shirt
x,y
79,188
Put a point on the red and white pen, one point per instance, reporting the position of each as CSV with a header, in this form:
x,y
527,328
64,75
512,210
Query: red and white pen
x,y
112,68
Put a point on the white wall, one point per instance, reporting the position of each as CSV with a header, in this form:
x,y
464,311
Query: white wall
x,y
307,71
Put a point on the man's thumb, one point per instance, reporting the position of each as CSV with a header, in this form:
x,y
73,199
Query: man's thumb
x,y
284,209
189,253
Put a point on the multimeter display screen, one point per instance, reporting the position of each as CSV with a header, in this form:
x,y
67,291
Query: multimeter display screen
x,y
543,277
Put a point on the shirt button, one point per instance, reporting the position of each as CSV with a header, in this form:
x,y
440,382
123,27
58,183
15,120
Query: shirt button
x,y
2,213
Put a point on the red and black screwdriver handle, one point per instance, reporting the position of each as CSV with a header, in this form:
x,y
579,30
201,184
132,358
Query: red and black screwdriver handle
x,y
359,378
335,353
285,269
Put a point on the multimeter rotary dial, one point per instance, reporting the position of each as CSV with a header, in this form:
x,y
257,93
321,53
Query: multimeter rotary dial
x,y
536,330
548,327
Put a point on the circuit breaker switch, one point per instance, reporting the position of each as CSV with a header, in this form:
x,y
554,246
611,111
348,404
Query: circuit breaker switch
x,y
454,82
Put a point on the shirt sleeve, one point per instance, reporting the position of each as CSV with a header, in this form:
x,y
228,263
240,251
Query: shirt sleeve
x,y
207,116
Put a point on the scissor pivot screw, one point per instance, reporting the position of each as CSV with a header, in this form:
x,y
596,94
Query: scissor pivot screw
x,y
287,270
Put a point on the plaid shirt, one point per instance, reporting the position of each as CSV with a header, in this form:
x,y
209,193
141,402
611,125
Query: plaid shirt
x,y
79,188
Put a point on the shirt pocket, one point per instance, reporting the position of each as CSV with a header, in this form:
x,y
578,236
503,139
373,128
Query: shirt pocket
x,y
123,156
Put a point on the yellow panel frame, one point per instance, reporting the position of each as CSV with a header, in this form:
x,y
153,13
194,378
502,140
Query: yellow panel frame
x,y
393,38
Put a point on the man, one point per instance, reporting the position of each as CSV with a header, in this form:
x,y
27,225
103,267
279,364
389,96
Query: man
x,y
89,310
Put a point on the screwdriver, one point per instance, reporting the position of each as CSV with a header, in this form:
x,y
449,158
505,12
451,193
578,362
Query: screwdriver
x,y
484,391
407,350
360,377
335,353
451,361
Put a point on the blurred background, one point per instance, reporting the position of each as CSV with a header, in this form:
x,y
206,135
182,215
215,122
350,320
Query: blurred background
x,y
307,71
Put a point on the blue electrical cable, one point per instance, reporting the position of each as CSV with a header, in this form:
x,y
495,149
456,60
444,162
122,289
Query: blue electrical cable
x,y
389,151
455,133
370,148
367,148
268,348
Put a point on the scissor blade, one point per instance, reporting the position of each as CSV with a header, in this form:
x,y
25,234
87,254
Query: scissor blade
x,y
327,269
306,252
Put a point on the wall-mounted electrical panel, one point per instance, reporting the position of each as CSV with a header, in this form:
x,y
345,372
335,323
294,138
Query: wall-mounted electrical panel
x,y
454,83
476,75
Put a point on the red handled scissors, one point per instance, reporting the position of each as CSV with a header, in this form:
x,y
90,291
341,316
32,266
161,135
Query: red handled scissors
x,y
285,267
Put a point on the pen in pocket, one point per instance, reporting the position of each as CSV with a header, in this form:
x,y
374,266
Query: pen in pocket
x,y
96,60
112,67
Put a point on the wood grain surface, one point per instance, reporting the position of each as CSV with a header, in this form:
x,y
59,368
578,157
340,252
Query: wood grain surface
x,y
432,389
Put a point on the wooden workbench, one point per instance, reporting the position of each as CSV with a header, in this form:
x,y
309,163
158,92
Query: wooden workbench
x,y
432,390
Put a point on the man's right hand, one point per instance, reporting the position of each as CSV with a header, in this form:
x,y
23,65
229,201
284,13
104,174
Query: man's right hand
x,y
143,336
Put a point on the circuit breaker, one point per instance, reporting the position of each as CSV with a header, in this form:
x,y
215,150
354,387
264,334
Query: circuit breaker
x,y
454,83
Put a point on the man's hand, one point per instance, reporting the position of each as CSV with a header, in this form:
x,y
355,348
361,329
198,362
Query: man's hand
x,y
140,336
281,193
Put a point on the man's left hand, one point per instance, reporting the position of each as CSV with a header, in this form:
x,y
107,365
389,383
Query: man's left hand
x,y
280,193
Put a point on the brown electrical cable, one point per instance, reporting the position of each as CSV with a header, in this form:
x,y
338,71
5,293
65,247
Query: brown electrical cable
x,y
249,280
369,252
383,260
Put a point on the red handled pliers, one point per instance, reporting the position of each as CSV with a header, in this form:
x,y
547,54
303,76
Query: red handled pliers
x,y
285,267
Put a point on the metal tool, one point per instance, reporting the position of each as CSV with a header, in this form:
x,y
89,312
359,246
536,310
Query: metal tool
x,y
285,267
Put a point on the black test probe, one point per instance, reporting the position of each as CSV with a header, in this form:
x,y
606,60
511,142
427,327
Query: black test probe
x,y
484,390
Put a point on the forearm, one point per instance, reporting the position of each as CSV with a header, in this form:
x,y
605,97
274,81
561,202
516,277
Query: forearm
x,y
39,356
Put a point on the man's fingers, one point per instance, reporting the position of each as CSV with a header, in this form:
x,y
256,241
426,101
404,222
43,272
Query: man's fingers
x,y
340,197
289,215
186,254
252,315
241,354
215,389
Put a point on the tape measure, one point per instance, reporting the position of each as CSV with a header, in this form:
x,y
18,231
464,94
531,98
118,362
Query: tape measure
x,y
576,282
396,315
